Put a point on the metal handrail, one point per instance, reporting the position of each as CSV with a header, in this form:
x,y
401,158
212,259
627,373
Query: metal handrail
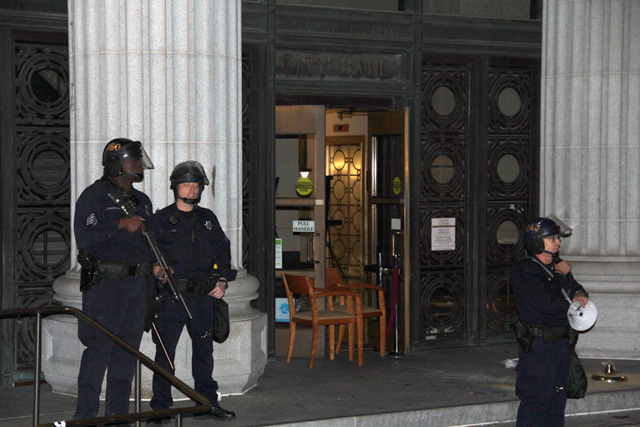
x,y
203,404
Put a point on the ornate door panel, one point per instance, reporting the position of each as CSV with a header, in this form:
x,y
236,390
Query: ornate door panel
x,y
344,165
478,145
511,189
444,194
36,185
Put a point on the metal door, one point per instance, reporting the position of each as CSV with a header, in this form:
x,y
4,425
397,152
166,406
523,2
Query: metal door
x,y
36,186
478,189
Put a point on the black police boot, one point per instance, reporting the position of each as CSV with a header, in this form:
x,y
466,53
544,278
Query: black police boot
x,y
217,413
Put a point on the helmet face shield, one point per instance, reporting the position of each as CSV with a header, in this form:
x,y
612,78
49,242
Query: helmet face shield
x,y
120,149
136,151
563,228
189,171
541,228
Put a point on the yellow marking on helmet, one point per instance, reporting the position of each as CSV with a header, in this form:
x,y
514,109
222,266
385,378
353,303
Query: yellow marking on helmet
x,y
533,227
114,146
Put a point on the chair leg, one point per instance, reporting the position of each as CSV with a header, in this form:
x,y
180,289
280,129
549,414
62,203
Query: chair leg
x,y
383,336
340,338
314,345
360,332
351,333
292,338
332,337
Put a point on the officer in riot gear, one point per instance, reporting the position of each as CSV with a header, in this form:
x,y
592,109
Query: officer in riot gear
x,y
538,230
543,328
116,266
119,158
199,253
189,171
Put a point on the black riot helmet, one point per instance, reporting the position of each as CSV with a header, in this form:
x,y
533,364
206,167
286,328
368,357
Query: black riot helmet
x,y
538,229
119,149
189,171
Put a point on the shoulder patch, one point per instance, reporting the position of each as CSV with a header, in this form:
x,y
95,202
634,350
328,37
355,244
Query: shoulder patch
x,y
92,219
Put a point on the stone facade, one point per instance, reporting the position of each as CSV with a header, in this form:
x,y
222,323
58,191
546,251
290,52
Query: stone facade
x,y
590,158
167,74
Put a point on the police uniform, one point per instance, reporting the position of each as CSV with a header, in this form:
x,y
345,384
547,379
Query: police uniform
x,y
543,372
117,301
192,243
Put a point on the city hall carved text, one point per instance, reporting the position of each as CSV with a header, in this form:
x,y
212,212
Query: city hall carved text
x,y
305,65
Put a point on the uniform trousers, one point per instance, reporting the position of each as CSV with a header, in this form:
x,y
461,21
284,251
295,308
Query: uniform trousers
x,y
170,322
120,306
540,385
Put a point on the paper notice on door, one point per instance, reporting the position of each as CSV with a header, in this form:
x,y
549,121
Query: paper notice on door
x,y
443,234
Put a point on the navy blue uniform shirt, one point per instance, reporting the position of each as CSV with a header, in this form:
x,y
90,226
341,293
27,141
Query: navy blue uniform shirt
x,y
539,298
96,228
192,244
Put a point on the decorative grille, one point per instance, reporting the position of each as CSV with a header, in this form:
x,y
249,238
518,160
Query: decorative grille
x,y
41,192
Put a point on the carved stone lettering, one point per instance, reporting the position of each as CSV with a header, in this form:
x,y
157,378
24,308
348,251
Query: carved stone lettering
x,y
344,28
328,65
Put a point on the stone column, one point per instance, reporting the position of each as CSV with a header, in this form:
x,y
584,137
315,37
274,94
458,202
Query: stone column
x,y
590,158
167,74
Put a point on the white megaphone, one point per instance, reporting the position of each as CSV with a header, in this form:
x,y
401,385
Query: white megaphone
x,y
582,318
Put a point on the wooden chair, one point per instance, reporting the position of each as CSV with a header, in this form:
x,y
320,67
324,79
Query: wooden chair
x,y
316,317
334,281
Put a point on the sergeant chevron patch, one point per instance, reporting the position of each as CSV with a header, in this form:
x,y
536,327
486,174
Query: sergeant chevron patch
x,y
92,219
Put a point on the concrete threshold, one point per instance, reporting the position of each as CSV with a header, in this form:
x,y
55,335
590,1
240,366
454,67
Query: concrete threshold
x,y
478,415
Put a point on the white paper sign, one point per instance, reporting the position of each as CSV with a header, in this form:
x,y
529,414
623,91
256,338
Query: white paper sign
x,y
304,226
443,234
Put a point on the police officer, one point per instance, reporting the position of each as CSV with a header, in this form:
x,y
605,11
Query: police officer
x,y
538,284
117,264
199,253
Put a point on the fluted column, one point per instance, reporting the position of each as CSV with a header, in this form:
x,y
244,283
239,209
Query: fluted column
x,y
590,157
168,73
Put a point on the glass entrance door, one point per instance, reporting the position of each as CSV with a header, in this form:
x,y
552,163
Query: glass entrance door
x,y
365,160
300,193
300,212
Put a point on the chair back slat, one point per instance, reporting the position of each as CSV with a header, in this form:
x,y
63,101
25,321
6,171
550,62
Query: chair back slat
x,y
296,284
333,277
301,285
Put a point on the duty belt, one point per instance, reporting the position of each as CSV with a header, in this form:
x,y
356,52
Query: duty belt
x,y
116,270
555,333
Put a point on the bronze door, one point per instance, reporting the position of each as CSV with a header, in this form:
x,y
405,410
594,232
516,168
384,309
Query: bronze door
x,y
479,143
35,171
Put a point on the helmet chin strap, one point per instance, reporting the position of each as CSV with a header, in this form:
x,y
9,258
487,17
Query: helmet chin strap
x,y
187,200
190,201
135,177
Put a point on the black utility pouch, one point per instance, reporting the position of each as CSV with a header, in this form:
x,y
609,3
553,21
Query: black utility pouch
x,y
89,275
524,336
